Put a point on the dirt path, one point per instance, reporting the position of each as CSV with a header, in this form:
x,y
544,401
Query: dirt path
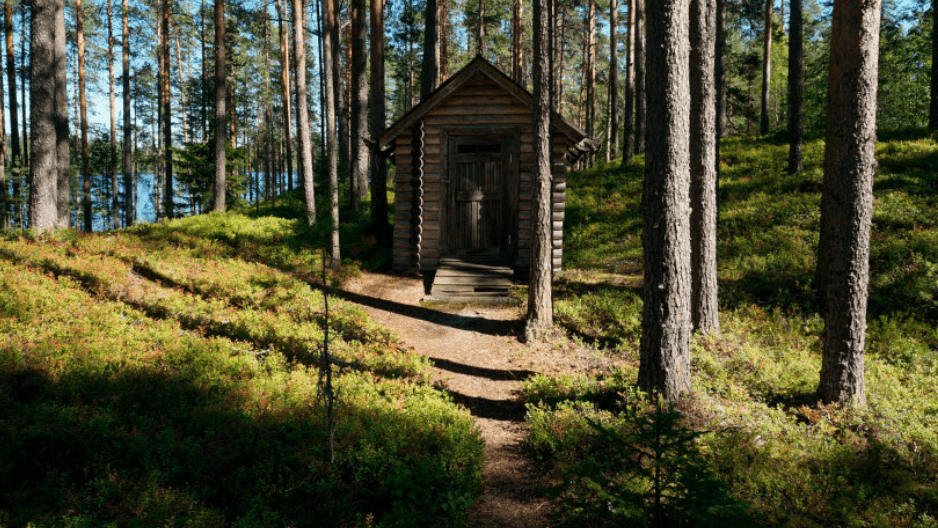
x,y
480,362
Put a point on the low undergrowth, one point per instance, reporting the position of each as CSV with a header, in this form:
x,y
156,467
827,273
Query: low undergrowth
x,y
787,459
168,375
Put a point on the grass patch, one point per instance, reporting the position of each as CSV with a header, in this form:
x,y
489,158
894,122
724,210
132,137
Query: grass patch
x,y
168,375
791,461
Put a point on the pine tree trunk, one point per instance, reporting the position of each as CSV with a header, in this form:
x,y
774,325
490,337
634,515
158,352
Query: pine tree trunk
x,y
766,69
221,92
83,104
112,153
16,159
628,120
4,194
640,60
591,74
11,77
340,83
24,72
330,57
720,64
61,119
358,174
703,168
268,115
379,173
168,192
561,53
666,323
612,135
285,85
203,99
293,18
480,30
302,111
130,219
430,68
43,207
540,299
443,43
847,197
795,88
933,102
517,41
182,90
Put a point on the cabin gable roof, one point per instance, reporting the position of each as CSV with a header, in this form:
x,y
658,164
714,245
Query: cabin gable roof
x,y
477,66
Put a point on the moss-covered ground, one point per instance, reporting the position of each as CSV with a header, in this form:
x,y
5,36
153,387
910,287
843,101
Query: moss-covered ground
x,y
170,374
792,461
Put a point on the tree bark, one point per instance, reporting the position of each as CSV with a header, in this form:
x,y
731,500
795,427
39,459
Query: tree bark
x,y
24,72
591,74
330,40
221,92
11,77
480,30
168,192
268,114
561,53
640,59
16,159
358,174
43,207
430,68
666,323
766,69
285,85
517,41
443,44
703,168
130,219
379,174
795,88
61,119
933,101
83,104
628,120
720,64
847,197
302,111
612,135
540,299
182,89
340,84
112,153
4,195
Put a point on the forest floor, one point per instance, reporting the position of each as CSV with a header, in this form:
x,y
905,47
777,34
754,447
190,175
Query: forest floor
x,y
480,362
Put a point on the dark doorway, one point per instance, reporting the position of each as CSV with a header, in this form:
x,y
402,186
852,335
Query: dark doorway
x,y
477,196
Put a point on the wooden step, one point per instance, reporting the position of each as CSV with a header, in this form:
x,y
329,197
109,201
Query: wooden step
x,y
472,279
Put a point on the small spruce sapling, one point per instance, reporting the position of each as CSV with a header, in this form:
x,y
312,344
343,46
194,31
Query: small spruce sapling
x,y
650,473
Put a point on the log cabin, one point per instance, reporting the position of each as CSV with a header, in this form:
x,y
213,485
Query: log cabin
x,y
464,168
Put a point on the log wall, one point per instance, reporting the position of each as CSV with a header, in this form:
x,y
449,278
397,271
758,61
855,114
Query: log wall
x,y
480,107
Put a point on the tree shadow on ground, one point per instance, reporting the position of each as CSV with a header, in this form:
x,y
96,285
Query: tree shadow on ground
x,y
481,325
501,410
481,372
163,447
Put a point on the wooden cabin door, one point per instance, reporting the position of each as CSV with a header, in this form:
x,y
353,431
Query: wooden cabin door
x,y
478,200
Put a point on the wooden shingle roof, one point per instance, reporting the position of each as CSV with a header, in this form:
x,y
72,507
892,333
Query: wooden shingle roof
x,y
481,66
